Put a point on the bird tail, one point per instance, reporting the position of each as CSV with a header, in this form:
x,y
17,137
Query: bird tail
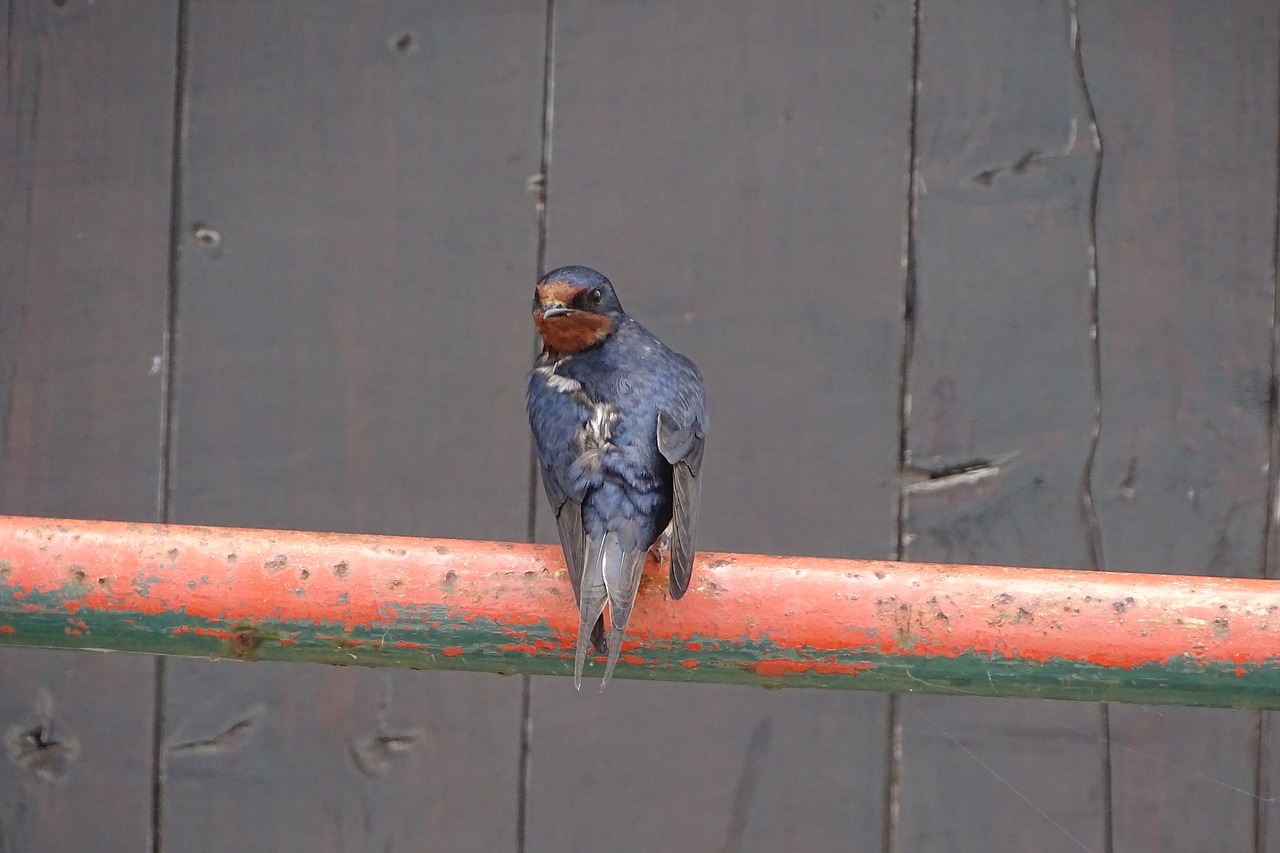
x,y
592,597
611,575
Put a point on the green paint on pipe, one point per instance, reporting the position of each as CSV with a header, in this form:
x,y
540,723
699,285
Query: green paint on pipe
x,y
443,638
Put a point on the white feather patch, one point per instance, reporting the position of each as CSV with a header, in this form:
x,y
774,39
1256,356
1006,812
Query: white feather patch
x,y
603,419
556,382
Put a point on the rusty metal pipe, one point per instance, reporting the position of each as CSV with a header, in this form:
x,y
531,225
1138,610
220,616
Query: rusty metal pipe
x,y
772,621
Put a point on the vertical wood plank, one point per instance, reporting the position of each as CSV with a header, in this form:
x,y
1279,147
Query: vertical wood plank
x,y
1001,385
380,761
85,140
353,346
739,171
1186,104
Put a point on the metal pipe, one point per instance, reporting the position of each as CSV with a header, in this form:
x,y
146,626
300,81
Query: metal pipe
x,y
747,619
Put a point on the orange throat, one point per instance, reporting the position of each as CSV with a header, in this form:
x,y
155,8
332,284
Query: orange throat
x,y
568,333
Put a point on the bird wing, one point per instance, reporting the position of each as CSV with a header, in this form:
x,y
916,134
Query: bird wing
x,y
681,436
573,541
569,523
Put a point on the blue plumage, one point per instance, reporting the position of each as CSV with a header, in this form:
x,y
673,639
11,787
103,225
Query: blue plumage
x,y
619,421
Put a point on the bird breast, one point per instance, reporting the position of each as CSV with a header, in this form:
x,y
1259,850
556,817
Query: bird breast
x,y
594,440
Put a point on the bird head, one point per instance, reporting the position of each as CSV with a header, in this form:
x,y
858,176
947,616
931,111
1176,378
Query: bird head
x,y
574,308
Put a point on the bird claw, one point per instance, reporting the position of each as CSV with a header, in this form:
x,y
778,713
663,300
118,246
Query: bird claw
x,y
660,550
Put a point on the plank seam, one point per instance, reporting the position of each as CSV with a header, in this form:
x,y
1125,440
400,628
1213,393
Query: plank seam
x,y
1097,558
524,774
1265,758
893,730
164,491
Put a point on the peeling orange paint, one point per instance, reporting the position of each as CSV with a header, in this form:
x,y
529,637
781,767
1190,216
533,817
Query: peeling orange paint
x,y
813,615
211,632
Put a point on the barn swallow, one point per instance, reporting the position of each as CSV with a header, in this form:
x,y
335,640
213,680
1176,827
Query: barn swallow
x,y
619,420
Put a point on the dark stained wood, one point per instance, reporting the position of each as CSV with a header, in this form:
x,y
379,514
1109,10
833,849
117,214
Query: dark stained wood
x,y
353,351
75,751
696,767
745,193
87,93
86,138
353,343
739,171
354,338
381,760
1268,806
1001,382
1186,103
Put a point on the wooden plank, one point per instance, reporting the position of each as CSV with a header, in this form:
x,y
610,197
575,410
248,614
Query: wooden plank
x,y
1186,103
75,751
84,222
695,767
1268,783
352,354
738,170
89,104
384,760
1001,405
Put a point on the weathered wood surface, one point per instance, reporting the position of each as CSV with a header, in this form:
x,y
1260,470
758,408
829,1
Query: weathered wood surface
x,y
352,330
718,188
1186,253
86,130
1000,379
358,231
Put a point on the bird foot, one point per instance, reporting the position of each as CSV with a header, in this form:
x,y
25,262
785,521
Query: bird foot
x,y
661,547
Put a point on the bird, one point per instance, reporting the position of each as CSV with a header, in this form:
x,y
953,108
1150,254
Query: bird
x,y
619,423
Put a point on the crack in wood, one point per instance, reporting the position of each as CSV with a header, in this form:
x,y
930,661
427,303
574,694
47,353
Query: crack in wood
x,y
230,738
1033,157
923,477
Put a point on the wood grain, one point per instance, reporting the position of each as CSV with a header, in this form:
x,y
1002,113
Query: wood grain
x,y
1001,385
351,356
1186,104
85,144
738,170
378,760
359,235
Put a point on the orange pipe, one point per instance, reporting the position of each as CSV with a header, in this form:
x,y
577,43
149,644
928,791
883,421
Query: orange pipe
x,y
506,607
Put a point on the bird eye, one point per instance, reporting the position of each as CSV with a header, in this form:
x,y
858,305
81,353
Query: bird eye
x,y
597,295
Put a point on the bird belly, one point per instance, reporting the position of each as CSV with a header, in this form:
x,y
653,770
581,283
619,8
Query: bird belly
x,y
594,442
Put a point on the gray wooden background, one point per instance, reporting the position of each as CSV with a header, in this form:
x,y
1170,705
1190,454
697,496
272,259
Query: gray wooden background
x,y
268,263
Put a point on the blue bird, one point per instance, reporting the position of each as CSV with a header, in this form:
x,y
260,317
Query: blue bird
x,y
619,420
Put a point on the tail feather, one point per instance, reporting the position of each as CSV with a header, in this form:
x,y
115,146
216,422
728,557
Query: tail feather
x,y
611,575
622,573
592,597
597,637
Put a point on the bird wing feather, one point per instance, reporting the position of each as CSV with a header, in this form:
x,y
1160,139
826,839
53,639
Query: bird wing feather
x,y
573,541
682,446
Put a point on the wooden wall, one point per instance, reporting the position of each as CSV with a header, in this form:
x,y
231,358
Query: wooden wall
x,y
969,281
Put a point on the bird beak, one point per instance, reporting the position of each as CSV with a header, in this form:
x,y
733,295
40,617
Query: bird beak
x,y
555,309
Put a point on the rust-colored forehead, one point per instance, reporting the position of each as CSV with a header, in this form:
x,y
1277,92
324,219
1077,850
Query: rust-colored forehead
x,y
558,291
